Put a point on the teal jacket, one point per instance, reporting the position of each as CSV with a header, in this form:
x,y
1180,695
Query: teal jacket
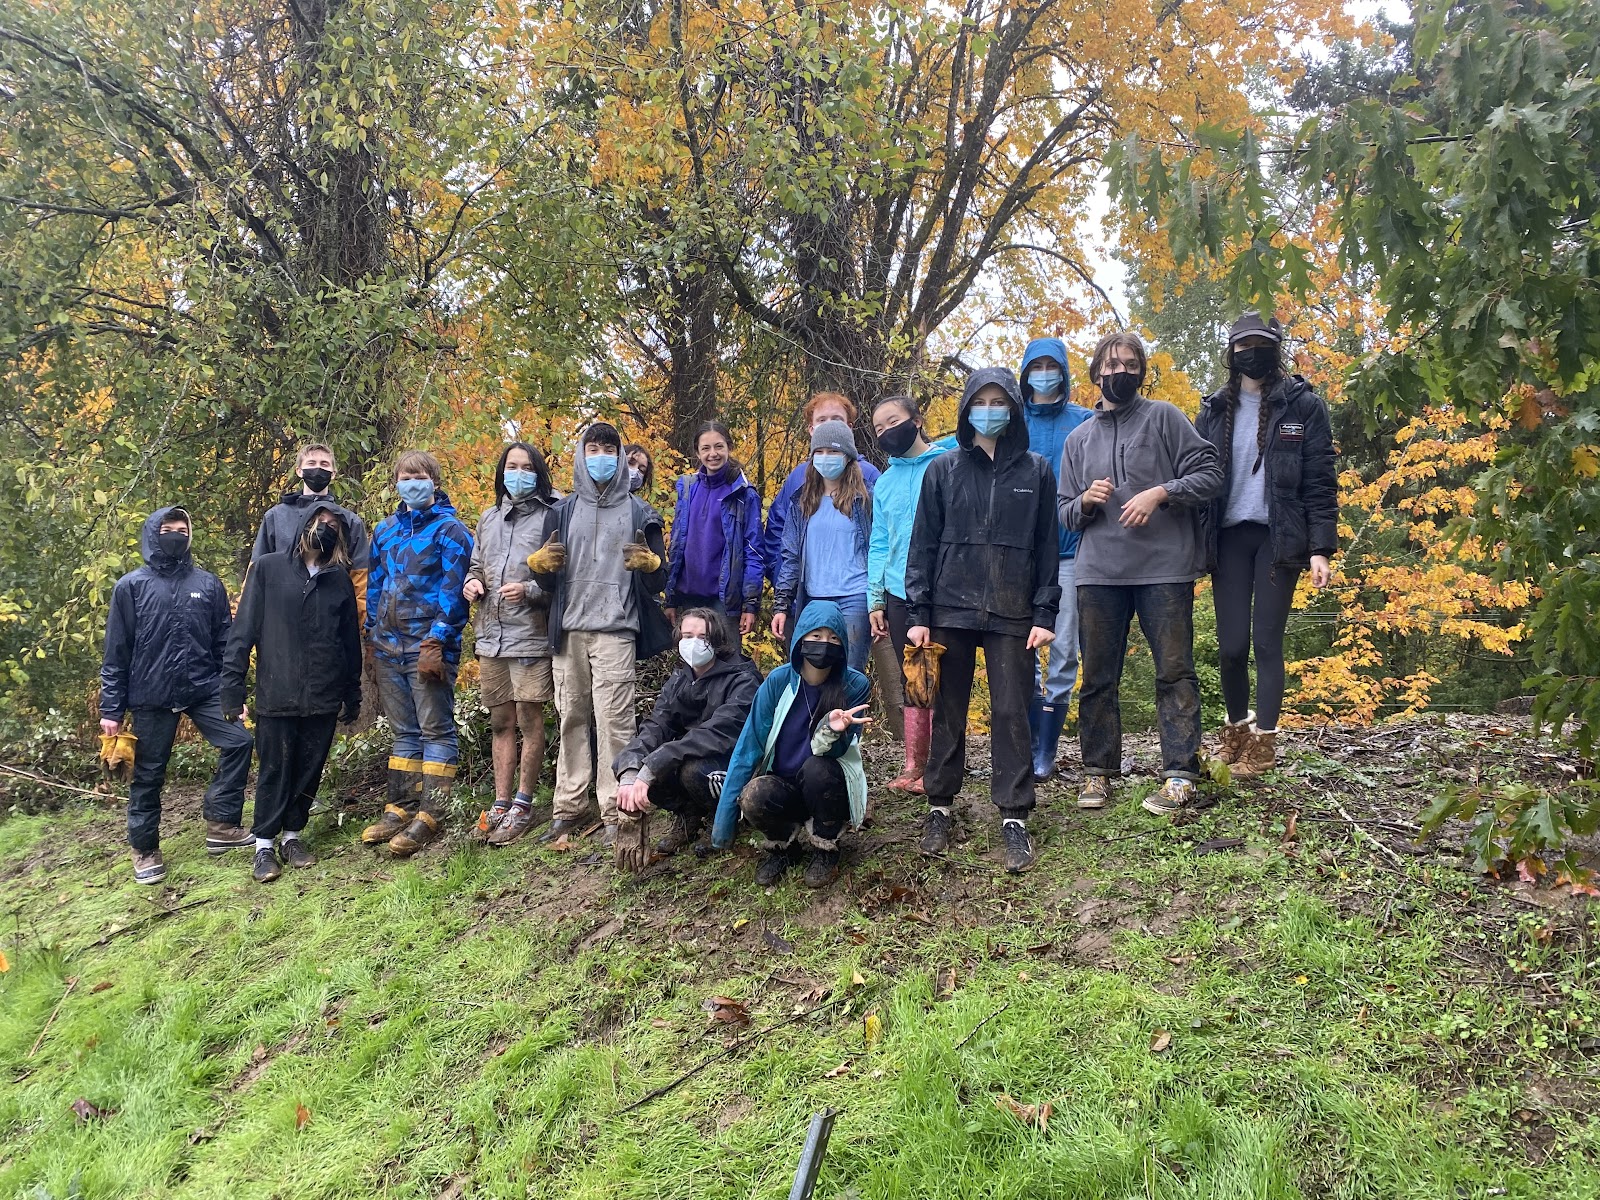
x,y
894,512
758,739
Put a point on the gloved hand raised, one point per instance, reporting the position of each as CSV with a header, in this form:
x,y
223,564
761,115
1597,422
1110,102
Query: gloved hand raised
x,y
637,556
550,558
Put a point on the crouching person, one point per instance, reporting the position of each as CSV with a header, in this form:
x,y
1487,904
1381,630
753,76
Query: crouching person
x,y
298,613
796,774
164,638
679,757
415,613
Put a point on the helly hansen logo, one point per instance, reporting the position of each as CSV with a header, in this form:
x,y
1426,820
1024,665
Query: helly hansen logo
x,y
197,595
1292,431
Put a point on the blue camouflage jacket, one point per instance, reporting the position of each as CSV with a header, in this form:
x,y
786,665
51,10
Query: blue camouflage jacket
x,y
419,566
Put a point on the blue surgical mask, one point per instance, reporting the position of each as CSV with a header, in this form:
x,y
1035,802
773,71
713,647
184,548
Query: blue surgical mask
x,y
1044,383
990,422
602,467
417,493
829,463
521,483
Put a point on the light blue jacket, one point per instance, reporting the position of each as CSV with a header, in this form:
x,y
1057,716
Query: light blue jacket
x,y
894,512
1049,424
758,740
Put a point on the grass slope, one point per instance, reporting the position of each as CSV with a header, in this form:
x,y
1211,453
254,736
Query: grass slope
x,y
1332,1024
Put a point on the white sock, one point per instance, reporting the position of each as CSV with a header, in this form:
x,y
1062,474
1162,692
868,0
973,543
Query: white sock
x,y
939,808
291,835
1020,824
263,843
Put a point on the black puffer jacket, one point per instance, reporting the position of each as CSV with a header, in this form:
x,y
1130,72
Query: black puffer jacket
x,y
164,637
983,548
694,717
1302,478
305,631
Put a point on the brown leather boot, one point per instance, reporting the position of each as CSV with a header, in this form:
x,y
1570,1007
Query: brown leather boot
x,y
1234,736
1259,755
424,828
222,837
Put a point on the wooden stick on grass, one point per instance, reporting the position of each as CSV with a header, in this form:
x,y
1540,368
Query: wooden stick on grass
x,y
39,1041
982,1023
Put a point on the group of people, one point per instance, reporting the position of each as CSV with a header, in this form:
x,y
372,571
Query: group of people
x,y
1036,533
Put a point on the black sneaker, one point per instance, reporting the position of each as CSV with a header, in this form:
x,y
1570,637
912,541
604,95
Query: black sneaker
x,y
822,869
266,867
772,867
559,827
296,854
1018,846
936,832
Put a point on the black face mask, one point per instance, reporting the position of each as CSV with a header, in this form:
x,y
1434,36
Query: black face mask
x,y
1119,388
317,478
174,543
1256,362
825,655
325,538
896,441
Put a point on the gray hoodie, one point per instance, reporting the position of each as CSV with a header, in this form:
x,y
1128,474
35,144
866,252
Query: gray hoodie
x,y
599,593
1138,445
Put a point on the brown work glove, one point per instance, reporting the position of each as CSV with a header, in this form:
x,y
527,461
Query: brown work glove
x,y
550,558
430,660
116,756
921,668
633,842
637,556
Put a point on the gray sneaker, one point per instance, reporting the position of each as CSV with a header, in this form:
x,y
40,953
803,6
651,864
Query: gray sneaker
x,y
1171,798
148,868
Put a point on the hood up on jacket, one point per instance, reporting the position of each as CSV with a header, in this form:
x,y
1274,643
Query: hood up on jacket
x,y
819,614
319,505
1013,441
613,492
150,546
1047,347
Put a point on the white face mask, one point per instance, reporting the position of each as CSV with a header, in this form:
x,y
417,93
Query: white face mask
x,y
697,652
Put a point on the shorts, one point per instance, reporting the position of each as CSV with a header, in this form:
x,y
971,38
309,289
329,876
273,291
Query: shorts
x,y
524,680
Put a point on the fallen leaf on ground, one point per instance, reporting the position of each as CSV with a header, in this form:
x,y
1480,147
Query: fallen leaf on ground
x,y
856,979
1159,1041
99,987
740,923
775,943
1290,831
1034,1115
302,1115
872,1029
945,985
837,1071
85,1111
658,1023
727,1010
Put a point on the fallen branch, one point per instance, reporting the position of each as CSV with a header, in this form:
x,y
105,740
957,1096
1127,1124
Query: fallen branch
x,y
39,1041
50,783
153,917
981,1024
1355,826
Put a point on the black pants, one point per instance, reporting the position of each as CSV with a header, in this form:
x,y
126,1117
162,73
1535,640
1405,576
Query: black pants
x,y
156,728
1166,614
692,790
1246,573
1010,665
779,808
290,752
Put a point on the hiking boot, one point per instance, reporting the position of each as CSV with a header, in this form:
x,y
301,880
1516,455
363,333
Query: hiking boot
x,y
936,832
394,819
1171,798
296,854
148,868
1234,736
1094,792
560,827
423,829
822,868
778,860
1258,755
681,831
1016,846
488,821
222,837
517,821
266,867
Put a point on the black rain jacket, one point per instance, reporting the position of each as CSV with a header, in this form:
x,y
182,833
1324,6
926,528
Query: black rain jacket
x,y
694,717
984,544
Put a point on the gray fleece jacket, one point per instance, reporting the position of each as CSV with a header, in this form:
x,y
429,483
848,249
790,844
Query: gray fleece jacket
x,y
1138,445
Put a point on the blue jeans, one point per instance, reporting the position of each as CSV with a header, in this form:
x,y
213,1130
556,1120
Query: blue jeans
x,y
156,728
422,713
1166,615
857,624
1062,669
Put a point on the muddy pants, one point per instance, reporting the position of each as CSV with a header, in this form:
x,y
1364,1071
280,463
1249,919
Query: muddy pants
x,y
692,789
812,807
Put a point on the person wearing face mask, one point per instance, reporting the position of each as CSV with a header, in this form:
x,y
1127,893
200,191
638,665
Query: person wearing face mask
x,y
511,637
897,421
981,574
298,614
677,760
284,522
825,540
602,559
823,406
641,470
1050,415
165,634
796,774
1277,516
715,557
1133,481
416,610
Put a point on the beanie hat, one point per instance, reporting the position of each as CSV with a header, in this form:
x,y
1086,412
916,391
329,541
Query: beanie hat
x,y
602,434
1250,324
834,435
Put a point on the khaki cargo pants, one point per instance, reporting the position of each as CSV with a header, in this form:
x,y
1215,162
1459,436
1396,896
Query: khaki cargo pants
x,y
594,687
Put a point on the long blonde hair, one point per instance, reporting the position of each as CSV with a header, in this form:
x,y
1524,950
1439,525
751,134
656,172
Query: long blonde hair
x,y
339,556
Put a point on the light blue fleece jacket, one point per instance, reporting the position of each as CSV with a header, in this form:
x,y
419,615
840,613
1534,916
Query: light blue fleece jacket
x,y
894,512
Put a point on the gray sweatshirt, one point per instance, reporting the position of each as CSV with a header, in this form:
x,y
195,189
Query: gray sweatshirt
x,y
599,595
1141,444
507,534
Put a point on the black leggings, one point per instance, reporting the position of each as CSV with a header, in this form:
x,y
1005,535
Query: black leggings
x,y
1245,573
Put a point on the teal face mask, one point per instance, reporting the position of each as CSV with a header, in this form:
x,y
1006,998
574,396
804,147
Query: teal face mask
x,y
990,422
417,493
829,463
521,483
